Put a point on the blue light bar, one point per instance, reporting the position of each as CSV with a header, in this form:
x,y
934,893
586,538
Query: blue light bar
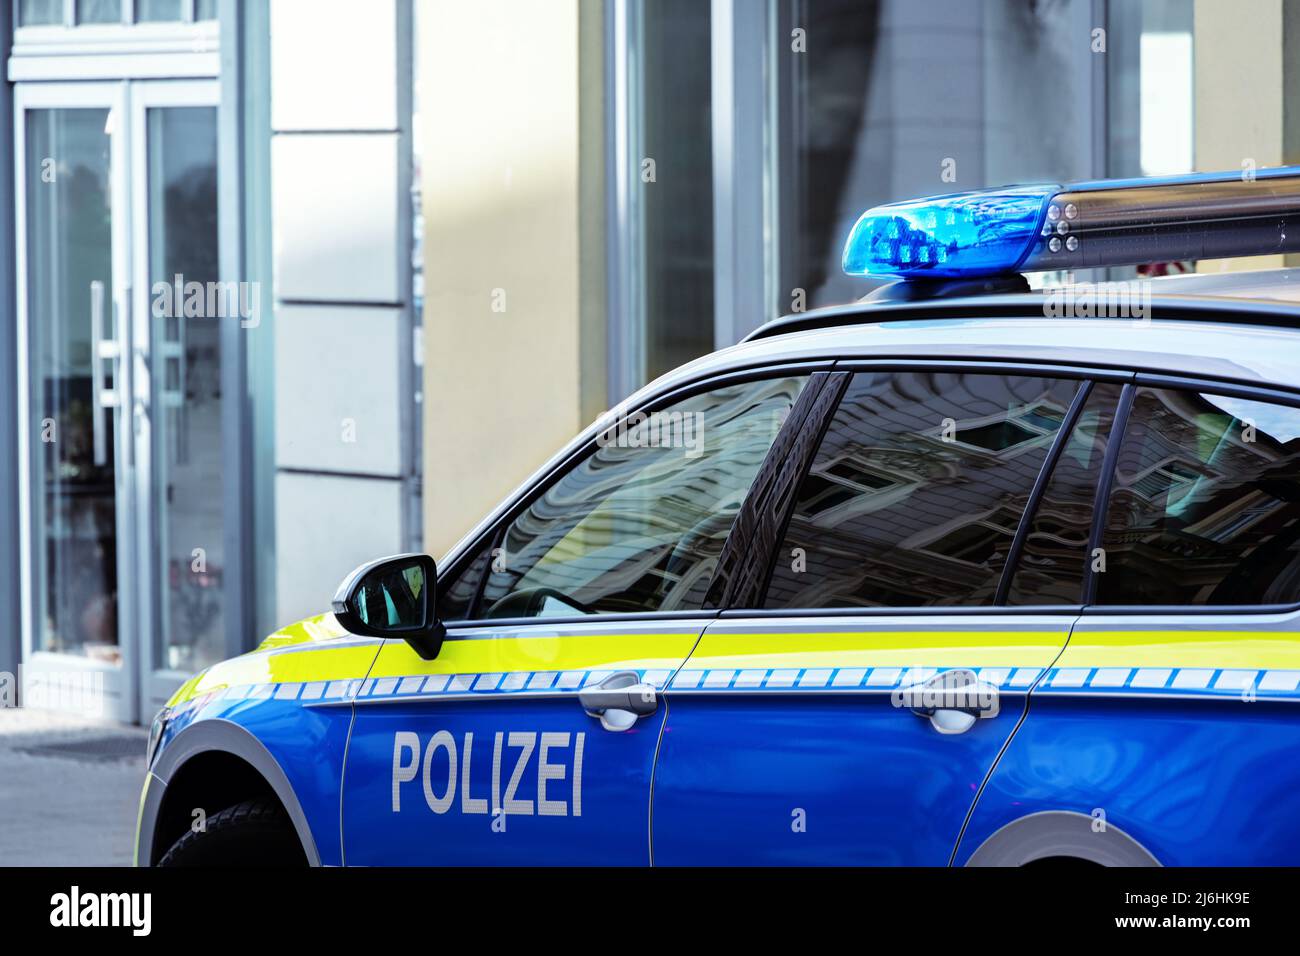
x,y
1086,225
978,233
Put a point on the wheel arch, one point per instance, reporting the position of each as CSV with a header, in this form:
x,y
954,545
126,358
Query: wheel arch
x,y
214,755
1060,833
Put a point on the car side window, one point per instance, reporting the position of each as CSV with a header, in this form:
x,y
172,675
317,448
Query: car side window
x,y
1054,558
456,596
915,494
637,525
1205,503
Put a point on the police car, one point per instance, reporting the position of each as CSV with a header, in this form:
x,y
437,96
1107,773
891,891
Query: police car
x,y
963,573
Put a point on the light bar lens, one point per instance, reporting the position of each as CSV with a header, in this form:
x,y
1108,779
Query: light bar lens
x,y
977,233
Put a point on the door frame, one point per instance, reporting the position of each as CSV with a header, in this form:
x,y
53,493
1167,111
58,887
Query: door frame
x,y
140,681
119,682
157,682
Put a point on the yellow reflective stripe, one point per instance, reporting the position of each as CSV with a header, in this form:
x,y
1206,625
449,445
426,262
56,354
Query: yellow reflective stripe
x,y
551,653
880,649
322,627
269,667
1182,649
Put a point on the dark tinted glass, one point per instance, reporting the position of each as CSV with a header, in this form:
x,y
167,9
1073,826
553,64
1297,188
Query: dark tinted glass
x,y
1054,557
639,524
916,492
456,596
673,184
1205,508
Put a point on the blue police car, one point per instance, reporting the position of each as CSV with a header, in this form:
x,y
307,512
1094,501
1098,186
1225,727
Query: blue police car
x,y
963,573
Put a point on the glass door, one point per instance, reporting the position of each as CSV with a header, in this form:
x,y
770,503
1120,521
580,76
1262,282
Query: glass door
x,y
179,309
120,318
77,456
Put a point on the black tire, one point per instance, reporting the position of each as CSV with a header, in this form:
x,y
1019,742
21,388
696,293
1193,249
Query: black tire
x,y
252,833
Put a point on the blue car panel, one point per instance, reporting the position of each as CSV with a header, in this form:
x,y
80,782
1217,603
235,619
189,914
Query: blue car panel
x,y
1195,782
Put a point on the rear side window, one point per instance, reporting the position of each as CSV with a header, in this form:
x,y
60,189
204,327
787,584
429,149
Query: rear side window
x,y
638,524
1205,505
916,492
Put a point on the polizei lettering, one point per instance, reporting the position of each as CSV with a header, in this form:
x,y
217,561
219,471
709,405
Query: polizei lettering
x,y
531,773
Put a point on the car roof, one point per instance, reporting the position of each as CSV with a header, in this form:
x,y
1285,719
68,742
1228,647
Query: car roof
x,y
1276,285
1247,339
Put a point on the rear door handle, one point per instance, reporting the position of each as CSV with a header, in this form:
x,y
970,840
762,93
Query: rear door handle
x,y
619,700
952,700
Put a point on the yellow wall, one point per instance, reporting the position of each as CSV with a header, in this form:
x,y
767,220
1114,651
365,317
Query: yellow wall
x,y
1247,93
511,139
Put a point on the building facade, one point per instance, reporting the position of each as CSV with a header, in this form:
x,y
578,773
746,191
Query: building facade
x,y
209,323
288,284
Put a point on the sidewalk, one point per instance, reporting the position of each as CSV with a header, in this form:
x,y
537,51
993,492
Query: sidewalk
x,y
69,789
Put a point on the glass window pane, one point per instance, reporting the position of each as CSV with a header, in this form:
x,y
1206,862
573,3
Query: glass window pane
x,y
640,523
1149,88
188,464
879,100
456,596
152,11
1054,558
205,10
34,13
69,308
99,11
674,184
917,490
1205,508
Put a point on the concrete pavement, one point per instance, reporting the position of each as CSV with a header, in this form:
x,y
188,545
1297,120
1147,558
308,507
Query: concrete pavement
x,y
69,789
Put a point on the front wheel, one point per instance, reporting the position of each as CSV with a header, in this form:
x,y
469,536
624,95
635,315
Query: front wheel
x,y
252,833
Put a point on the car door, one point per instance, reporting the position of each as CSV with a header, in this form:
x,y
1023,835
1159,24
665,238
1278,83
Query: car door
x,y
531,737
1167,730
849,705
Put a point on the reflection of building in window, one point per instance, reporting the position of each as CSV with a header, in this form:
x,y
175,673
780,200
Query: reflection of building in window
x,y
1051,565
892,514
640,528
1200,514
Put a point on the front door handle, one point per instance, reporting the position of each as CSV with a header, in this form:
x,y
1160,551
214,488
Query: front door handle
x,y
619,700
952,700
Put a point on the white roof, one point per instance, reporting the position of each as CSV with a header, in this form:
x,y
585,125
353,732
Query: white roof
x,y
1249,354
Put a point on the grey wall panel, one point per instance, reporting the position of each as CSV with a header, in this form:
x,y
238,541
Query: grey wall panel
x,y
335,65
338,397
341,210
337,211
326,525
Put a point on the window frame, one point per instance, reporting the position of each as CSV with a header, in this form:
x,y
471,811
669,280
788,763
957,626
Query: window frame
x,y
124,49
488,534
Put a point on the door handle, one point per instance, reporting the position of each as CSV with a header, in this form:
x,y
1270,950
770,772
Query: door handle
x,y
102,397
952,700
171,391
619,700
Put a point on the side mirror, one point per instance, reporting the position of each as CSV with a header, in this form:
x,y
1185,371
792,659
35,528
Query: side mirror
x,y
393,597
